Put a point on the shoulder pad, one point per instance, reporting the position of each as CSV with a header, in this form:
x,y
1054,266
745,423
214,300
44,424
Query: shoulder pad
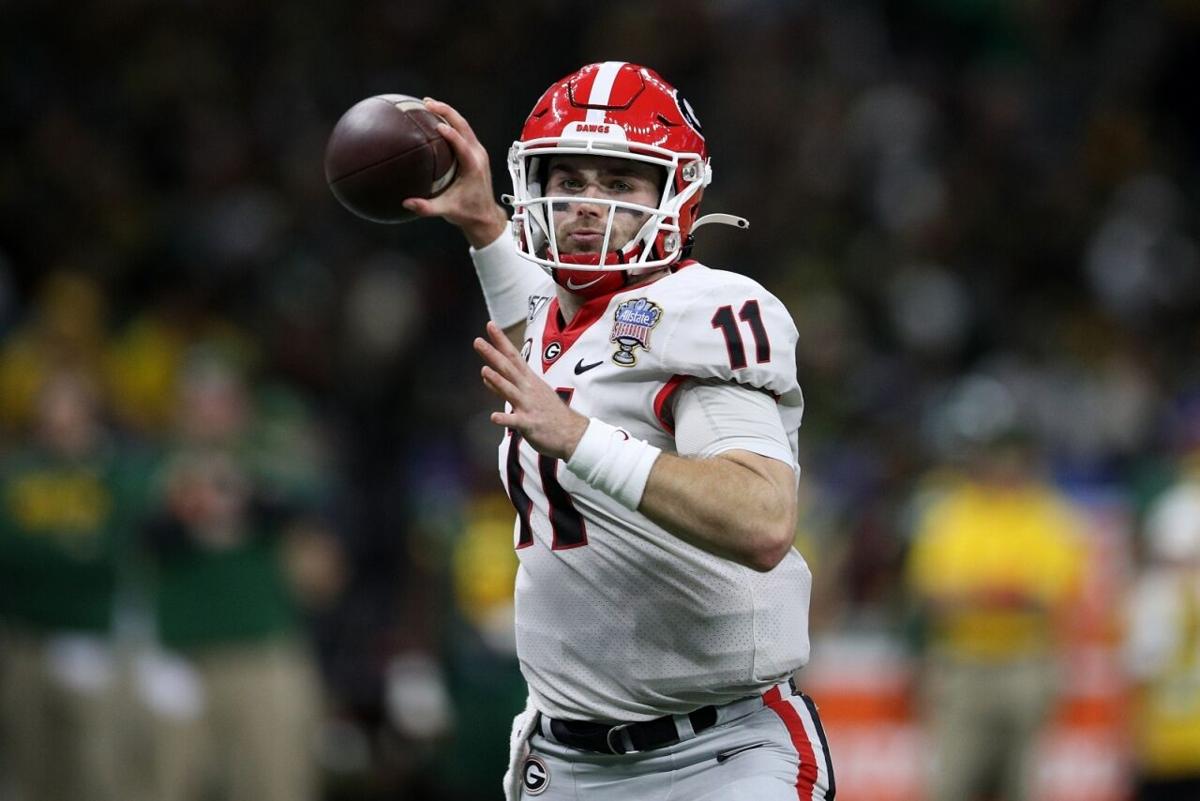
x,y
727,327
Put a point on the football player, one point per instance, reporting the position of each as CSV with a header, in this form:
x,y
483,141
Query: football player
x,y
649,447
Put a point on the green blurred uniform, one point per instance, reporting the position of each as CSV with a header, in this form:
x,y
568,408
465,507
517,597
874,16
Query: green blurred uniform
x,y
66,528
234,694
210,598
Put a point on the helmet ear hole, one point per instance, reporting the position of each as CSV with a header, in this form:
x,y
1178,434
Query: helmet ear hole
x,y
689,243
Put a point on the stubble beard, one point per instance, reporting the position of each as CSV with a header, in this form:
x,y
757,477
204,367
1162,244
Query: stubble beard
x,y
618,238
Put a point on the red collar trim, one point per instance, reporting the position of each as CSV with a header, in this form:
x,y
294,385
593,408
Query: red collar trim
x,y
591,311
588,314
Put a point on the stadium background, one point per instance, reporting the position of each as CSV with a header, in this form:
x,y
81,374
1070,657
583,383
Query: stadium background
x,y
977,210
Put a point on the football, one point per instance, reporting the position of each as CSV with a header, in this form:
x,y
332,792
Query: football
x,y
384,150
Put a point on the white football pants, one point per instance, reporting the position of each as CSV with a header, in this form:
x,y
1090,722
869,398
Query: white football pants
x,y
777,753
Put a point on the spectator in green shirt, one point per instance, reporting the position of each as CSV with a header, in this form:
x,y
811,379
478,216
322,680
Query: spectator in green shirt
x,y
242,699
69,501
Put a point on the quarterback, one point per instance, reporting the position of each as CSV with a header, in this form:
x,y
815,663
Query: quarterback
x,y
650,418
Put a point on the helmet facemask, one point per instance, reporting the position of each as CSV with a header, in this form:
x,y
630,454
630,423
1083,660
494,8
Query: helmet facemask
x,y
657,243
611,109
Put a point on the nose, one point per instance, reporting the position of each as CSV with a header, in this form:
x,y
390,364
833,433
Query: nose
x,y
586,208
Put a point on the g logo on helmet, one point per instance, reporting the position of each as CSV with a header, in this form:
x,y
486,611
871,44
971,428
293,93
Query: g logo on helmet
x,y
534,776
689,114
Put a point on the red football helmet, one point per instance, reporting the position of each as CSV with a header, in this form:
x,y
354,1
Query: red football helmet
x,y
623,111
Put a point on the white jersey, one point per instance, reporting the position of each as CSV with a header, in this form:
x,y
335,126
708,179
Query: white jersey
x,y
616,619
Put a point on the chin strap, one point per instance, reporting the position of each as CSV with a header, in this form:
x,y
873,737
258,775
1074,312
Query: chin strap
x,y
711,219
722,219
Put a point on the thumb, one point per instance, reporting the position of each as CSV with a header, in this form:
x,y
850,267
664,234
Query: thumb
x,y
419,206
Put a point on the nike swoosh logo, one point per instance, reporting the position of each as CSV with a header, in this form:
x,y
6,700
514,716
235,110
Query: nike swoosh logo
x,y
573,286
581,368
726,755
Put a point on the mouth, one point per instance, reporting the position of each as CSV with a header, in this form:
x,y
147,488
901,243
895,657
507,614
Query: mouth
x,y
582,241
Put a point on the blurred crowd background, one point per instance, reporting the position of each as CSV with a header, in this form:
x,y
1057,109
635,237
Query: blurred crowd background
x,y
252,544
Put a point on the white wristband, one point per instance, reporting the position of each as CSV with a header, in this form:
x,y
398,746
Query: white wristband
x,y
507,279
613,462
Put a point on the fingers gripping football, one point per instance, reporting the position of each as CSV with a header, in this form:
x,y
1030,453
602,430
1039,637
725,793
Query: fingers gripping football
x,y
537,411
469,200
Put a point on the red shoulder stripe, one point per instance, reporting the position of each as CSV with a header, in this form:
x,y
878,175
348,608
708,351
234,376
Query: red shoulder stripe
x,y
664,396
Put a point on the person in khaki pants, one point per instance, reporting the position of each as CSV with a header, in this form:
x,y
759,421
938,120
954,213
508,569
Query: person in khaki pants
x,y
233,693
995,566
240,719
69,497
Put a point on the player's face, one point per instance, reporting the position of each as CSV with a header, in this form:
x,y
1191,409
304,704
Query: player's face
x,y
580,226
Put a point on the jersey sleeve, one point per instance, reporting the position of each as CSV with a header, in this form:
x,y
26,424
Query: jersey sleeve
x,y
730,329
734,330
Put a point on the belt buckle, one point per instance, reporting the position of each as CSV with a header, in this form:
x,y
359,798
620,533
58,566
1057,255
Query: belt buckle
x,y
619,729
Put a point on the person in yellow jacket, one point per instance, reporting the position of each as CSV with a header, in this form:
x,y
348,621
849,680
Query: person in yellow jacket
x,y
995,562
1162,646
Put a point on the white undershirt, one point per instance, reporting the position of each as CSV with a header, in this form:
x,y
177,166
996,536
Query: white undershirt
x,y
712,417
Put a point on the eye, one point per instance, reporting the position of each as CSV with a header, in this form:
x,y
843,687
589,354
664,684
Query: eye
x,y
622,186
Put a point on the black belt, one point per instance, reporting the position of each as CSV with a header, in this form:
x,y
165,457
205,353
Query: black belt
x,y
623,738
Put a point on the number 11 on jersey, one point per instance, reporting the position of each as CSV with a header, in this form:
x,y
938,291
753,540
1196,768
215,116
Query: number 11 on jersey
x,y
750,314
568,526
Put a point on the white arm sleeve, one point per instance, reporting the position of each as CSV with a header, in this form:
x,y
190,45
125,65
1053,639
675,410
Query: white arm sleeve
x,y
507,280
716,416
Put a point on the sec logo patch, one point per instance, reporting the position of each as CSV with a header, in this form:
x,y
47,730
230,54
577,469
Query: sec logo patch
x,y
535,776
